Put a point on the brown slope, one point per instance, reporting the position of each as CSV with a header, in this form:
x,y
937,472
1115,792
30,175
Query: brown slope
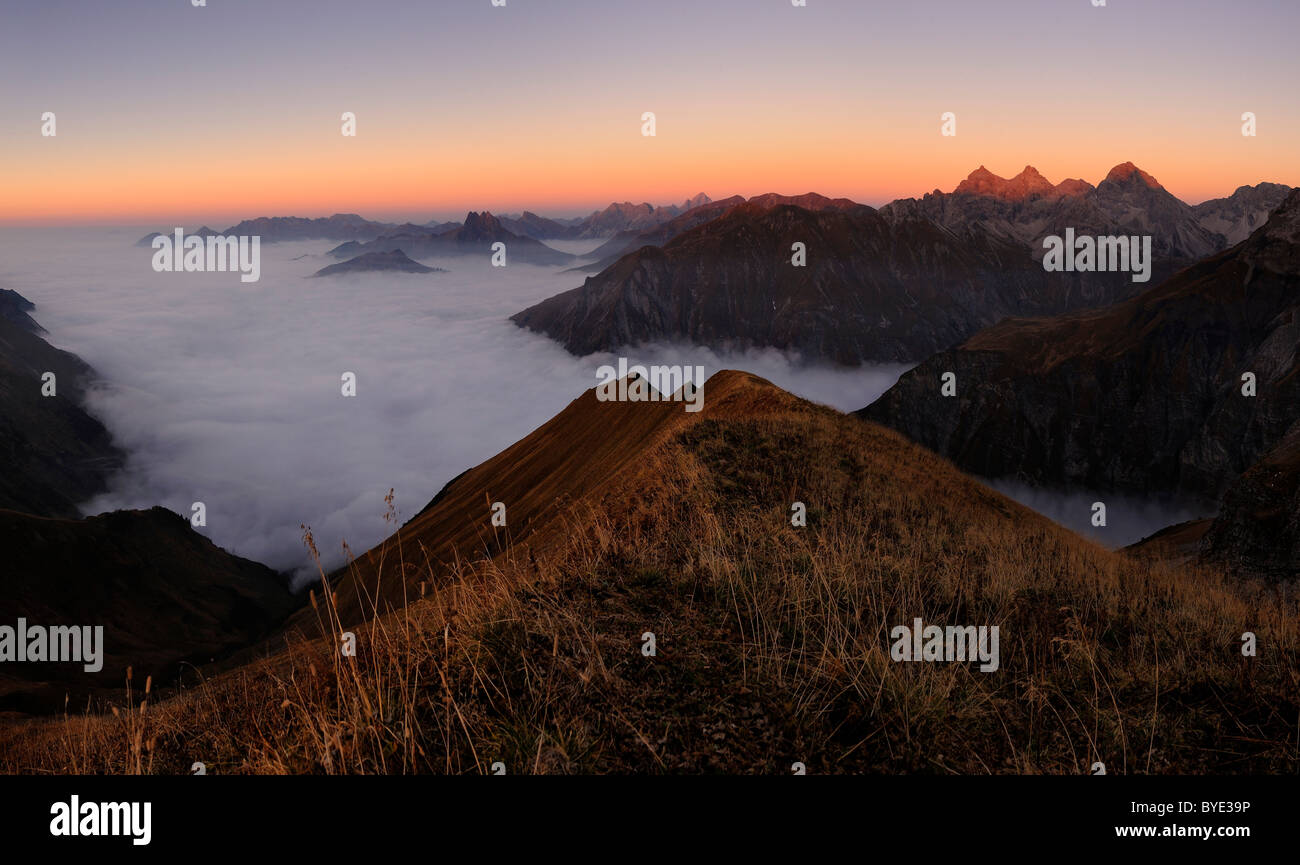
x,y
579,454
773,640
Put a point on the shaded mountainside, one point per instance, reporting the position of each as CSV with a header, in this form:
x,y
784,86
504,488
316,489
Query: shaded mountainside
x,y
1146,395
53,453
163,593
14,308
1236,216
1258,529
629,241
475,237
872,289
524,644
373,262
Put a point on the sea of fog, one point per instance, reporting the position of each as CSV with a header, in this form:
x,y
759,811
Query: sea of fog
x,y
1129,518
229,393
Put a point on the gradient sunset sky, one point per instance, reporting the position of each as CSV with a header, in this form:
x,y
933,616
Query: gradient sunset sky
x,y
172,114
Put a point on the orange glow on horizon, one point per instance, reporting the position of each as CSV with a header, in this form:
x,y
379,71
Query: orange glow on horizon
x,y
228,181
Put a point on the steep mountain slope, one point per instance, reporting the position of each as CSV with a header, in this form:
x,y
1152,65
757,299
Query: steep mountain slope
x,y
655,609
539,479
163,593
1145,395
475,237
54,456
1258,529
872,290
15,308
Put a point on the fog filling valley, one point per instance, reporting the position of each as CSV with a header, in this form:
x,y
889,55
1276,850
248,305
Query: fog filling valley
x,y
228,393
1129,518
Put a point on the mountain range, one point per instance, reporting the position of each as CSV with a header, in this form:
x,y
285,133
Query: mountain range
x,y
1192,387
897,284
475,237
351,226
1128,201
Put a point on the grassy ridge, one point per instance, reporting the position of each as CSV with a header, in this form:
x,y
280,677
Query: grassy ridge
x,y
772,640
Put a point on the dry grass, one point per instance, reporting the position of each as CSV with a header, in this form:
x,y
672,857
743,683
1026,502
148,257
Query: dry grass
x,y
772,641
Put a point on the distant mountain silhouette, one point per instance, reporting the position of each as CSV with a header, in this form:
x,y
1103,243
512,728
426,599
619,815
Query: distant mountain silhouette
x,y
275,229
529,224
202,231
371,262
626,216
631,240
475,237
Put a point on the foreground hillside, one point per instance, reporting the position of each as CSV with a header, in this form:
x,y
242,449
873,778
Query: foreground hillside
x,y
524,645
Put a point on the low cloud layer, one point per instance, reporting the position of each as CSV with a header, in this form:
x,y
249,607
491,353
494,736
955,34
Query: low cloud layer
x,y
1129,518
229,393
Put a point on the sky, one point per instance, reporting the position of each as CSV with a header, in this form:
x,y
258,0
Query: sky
x,y
171,114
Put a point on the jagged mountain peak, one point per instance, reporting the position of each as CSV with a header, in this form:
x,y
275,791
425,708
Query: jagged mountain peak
x,y
1028,182
1127,173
